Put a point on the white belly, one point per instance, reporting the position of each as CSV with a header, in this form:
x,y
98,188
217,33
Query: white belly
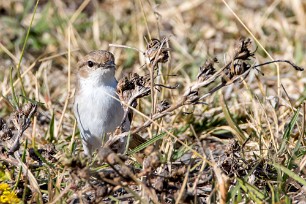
x,y
97,113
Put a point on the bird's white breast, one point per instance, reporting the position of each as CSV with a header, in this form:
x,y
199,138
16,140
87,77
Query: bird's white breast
x,y
97,110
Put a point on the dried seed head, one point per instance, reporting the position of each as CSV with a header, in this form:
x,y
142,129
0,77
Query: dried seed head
x,y
157,52
239,68
163,105
129,90
130,86
193,97
242,49
207,70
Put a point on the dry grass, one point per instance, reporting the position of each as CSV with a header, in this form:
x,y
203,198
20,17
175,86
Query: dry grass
x,y
245,144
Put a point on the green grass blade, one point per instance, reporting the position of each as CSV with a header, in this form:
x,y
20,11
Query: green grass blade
x,y
231,195
51,129
23,49
147,143
290,173
288,131
15,99
180,152
31,100
253,192
240,136
20,168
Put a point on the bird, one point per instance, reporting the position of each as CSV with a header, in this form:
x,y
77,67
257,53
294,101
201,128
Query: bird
x,y
97,107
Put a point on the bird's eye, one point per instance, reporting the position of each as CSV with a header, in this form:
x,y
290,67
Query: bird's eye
x,y
90,63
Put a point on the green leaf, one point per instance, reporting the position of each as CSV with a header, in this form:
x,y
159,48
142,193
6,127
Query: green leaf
x,y
240,136
252,191
290,173
51,129
147,143
15,99
288,131
23,49
31,100
179,152
234,194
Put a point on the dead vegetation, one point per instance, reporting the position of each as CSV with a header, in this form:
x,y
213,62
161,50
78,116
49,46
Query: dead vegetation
x,y
206,126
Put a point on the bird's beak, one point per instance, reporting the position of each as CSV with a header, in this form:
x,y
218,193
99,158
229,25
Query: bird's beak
x,y
110,64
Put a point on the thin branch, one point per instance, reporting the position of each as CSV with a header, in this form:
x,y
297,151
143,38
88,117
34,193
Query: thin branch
x,y
298,68
168,87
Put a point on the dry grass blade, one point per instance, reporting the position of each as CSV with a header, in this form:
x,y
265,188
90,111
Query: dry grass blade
x,y
223,182
33,182
182,191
